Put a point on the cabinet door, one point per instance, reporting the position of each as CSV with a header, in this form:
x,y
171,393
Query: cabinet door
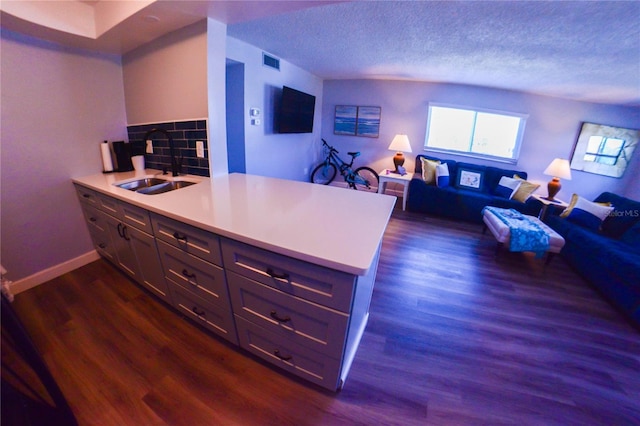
x,y
135,216
321,329
297,359
309,281
215,318
125,256
146,253
87,196
197,242
195,275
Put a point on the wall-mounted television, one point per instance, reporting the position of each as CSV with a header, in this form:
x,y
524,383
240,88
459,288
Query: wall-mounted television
x,y
296,111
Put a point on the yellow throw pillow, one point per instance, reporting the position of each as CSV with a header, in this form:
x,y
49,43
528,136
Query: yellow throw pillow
x,y
429,170
574,199
525,190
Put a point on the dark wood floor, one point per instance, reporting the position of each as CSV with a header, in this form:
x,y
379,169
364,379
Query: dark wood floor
x,y
455,337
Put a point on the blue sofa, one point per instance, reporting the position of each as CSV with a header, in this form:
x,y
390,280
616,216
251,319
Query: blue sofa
x,y
459,203
609,258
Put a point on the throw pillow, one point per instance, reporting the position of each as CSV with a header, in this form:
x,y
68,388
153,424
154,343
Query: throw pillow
x,y
525,190
587,213
442,175
507,187
429,170
470,179
574,199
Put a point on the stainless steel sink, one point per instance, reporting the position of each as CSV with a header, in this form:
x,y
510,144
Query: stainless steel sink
x,y
165,187
152,186
141,183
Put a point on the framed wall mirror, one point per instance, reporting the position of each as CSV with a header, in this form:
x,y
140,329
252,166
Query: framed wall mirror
x,y
604,150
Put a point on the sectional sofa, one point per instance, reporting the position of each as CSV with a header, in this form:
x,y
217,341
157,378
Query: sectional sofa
x,y
607,255
469,189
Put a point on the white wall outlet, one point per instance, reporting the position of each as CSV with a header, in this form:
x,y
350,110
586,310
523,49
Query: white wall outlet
x,y
200,149
254,112
149,149
255,121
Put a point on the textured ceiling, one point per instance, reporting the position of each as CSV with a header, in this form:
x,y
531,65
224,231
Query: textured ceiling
x,y
586,50
583,50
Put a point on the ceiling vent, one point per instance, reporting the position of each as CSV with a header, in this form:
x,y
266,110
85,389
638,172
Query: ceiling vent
x,y
270,61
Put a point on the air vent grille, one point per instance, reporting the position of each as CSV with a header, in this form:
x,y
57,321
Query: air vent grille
x,y
270,61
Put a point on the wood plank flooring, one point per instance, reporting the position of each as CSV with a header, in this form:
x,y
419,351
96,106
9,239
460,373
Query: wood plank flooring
x,y
456,336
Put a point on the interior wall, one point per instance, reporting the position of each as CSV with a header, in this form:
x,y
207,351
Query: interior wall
x,y
235,117
58,104
551,131
286,156
166,79
215,89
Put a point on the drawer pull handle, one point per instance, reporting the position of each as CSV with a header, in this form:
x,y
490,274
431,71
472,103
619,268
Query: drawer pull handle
x,y
125,235
180,237
275,316
282,357
86,195
93,219
195,311
272,274
188,275
102,245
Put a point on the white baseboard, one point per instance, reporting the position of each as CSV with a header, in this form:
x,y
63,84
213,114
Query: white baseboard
x,y
52,272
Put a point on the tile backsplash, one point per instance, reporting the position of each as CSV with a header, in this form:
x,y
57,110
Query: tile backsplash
x,y
184,135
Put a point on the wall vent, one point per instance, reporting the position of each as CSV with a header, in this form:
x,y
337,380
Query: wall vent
x,y
270,61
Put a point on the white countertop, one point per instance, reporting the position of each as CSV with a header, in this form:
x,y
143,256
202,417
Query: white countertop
x,y
330,226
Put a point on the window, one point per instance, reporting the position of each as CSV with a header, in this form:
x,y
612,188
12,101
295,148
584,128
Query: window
x,y
488,134
604,150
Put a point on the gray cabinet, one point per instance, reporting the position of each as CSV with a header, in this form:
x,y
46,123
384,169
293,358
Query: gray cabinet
x,y
192,265
98,225
122,233
302,317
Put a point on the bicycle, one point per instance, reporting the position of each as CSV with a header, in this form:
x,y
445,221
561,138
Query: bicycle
x,y
362,178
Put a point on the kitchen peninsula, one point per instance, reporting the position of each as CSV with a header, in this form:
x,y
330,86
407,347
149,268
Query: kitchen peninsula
x,y
284,269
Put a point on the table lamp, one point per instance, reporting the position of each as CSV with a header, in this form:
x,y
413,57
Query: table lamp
x,y
400,144
558,168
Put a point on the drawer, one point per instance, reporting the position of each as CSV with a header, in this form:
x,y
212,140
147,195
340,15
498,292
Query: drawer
x,y
299,360
195,275
192,240
103,245
135,216
95,219
108,205
87,196
305,323
325,286
214,318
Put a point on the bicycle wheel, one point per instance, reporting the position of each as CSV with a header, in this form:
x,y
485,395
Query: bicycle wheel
x,y
366,179
323,174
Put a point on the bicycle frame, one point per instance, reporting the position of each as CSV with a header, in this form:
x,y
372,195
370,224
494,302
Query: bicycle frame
x,y
346,170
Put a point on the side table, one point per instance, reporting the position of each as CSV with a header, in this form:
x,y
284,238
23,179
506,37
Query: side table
x,y
385,176
546,203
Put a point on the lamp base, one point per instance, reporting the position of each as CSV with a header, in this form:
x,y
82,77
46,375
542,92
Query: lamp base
x,y
553,187
398,160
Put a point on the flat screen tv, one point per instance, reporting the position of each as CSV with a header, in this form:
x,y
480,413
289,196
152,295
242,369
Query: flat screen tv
x,y
296,111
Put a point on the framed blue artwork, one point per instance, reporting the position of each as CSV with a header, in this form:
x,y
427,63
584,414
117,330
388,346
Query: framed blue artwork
x,y
357,121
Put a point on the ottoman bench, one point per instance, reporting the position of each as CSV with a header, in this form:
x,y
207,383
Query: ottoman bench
x,y
502,232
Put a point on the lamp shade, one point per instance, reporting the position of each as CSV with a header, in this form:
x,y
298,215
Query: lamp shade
x,y
559,168
400,143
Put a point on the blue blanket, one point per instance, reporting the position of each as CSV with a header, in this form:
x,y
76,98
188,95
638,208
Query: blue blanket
x,y
525,234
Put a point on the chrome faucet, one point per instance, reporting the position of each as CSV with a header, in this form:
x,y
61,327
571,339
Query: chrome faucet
x,y
176,166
